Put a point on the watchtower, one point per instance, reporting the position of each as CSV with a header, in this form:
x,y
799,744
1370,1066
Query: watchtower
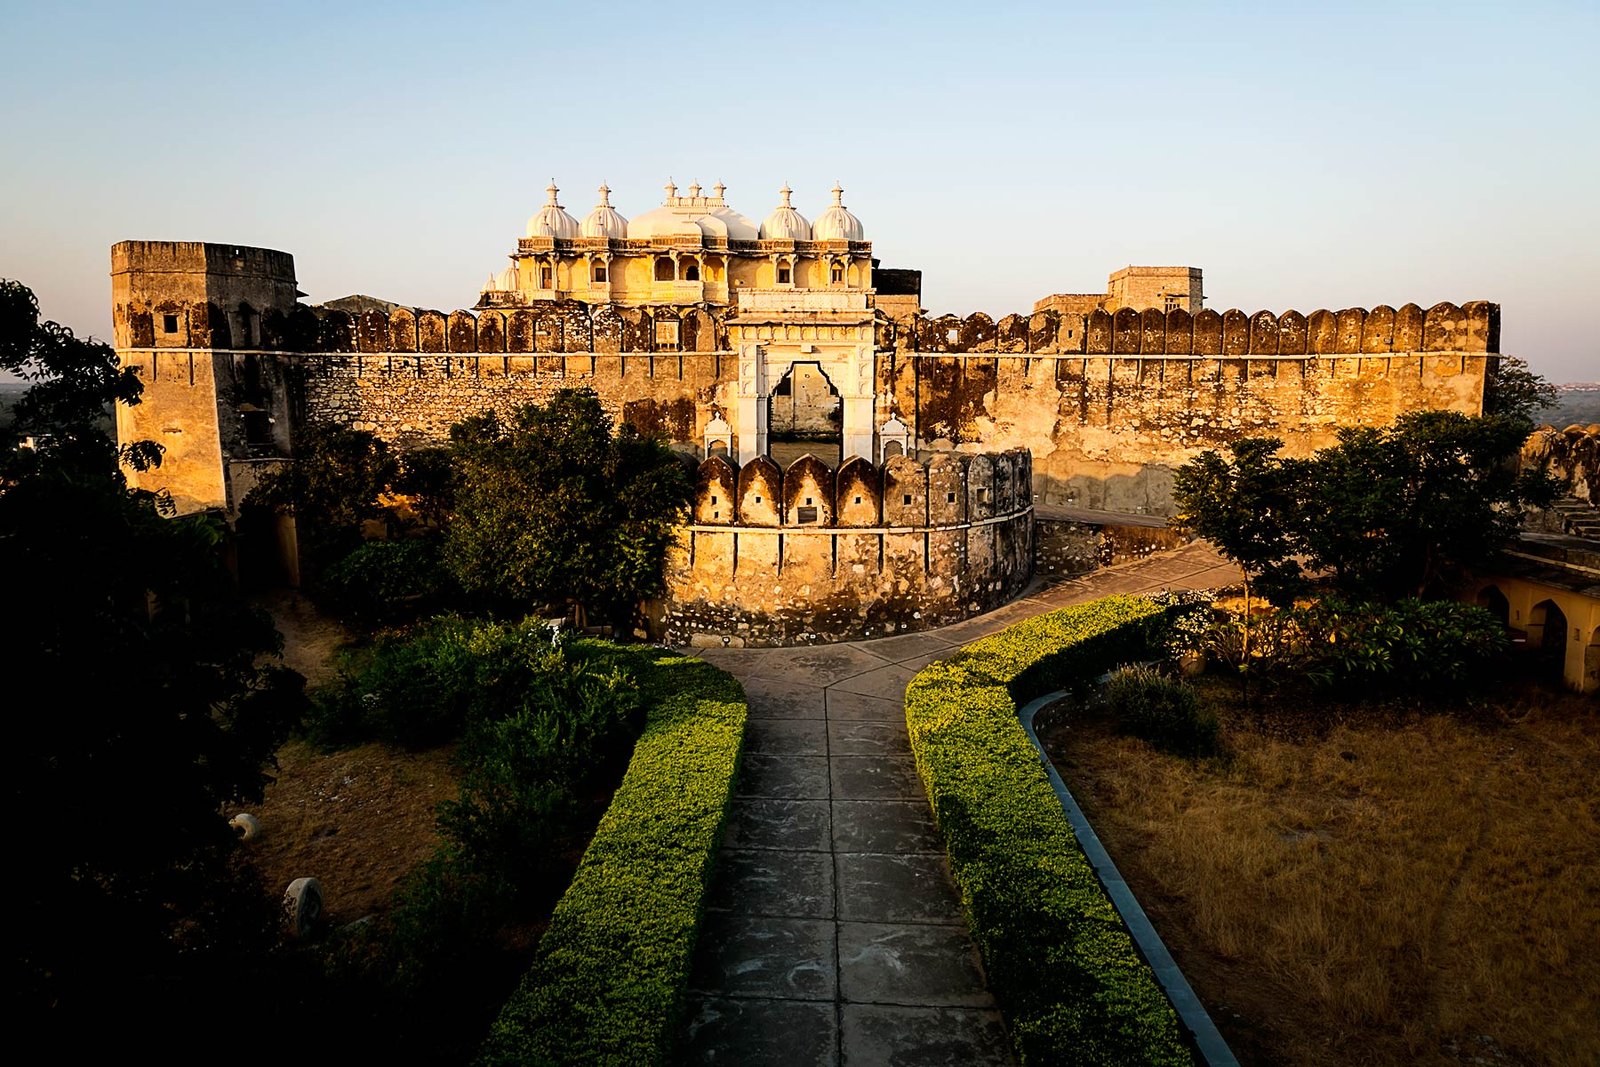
x,y
195,320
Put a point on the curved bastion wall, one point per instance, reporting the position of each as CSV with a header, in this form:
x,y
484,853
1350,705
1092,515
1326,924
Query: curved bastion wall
x,y
811,554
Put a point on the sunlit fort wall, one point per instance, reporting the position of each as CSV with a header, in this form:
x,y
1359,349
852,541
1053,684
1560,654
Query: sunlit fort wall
x,y
1107,401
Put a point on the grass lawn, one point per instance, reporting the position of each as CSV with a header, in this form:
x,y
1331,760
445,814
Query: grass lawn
x,y
1367,886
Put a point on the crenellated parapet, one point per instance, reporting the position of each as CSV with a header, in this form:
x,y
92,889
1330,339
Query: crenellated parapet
x,y
1445,327
564,326
904,492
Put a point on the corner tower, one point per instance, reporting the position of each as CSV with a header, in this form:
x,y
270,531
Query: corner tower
x,y
197,321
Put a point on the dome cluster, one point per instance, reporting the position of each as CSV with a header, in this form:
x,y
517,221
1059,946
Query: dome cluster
x,y
697,216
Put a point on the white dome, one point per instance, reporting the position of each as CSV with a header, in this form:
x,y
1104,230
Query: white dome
x,y
837,224
603,221
693,216
552,221
506,281
785,223
663,222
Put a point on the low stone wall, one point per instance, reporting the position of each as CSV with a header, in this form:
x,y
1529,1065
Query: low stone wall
x,y
806,554
1064,548
752,586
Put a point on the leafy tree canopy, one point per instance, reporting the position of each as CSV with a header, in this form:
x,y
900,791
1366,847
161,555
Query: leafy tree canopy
x,y
1513,390
137,705
1388,513
332,488
553,507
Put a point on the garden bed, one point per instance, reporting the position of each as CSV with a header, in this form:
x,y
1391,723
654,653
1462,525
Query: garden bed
x,y
1367,886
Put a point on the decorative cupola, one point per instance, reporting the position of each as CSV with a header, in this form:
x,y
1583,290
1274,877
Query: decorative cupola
x,y
552,220
785,223
837,224
604,221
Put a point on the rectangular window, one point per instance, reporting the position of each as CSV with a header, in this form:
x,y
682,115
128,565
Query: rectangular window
x,y
169,324
667,334
807,515
949,498
907,500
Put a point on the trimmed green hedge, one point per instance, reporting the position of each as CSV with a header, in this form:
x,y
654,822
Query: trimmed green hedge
x,y
606,986
1059,959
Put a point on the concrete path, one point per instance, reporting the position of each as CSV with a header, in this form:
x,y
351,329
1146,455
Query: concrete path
x,y
834,934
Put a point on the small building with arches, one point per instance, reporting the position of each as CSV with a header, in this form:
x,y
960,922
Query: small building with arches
x,y
1548,596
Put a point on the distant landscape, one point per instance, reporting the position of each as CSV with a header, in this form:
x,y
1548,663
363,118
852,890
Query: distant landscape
x,y
1579,403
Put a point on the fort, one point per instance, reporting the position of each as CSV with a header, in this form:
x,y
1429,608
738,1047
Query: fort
x,y
864,467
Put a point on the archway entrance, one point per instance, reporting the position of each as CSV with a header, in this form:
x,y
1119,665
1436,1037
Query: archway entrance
x,y
1491,599
805,413
1547,634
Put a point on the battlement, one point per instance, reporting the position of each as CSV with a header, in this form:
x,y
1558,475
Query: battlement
x,y
777,557
198,257
1473,327
946,489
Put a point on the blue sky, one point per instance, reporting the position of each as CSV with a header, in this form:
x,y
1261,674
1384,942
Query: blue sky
x,y
1305,155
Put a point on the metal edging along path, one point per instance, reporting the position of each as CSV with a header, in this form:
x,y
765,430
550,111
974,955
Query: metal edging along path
x,y
1213,1049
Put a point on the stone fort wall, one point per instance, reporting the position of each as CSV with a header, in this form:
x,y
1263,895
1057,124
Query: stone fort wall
x,y
1109,403
783,557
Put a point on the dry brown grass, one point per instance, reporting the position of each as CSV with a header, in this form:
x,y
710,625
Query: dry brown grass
x,y
1421,890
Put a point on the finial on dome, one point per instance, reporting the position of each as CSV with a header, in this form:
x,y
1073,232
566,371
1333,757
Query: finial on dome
x,y
605,195
552,190
786,192
838,195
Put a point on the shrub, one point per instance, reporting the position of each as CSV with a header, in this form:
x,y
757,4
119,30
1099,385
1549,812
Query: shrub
x,y
527,759
384,580
609,976
1161,710
426,686
1409,647
1059,959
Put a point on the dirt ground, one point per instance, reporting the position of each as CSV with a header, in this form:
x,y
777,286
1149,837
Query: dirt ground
x,y
1422,889
357,820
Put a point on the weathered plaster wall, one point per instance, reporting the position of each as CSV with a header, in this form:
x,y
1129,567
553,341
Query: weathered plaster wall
x,y
1111,404
412,398
905,546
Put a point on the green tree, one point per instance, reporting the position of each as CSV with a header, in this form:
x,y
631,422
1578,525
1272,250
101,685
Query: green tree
x,y
1407,509
333,488
1247,505
554,508
1514,390
137,709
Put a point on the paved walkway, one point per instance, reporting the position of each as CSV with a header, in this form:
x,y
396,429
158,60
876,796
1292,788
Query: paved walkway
x,y
834,934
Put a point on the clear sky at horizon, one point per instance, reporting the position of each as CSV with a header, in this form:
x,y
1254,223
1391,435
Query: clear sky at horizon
x,y
1304,155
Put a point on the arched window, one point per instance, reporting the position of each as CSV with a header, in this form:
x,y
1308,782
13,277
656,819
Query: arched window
x,y
547,278
836,272
784,274
691,271
664,269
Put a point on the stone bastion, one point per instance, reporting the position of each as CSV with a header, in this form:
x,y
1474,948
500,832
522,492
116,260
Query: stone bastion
x,y
810,555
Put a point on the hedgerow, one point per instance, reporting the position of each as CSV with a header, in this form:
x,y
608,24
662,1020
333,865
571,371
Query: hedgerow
x,y
1059,959
606,985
